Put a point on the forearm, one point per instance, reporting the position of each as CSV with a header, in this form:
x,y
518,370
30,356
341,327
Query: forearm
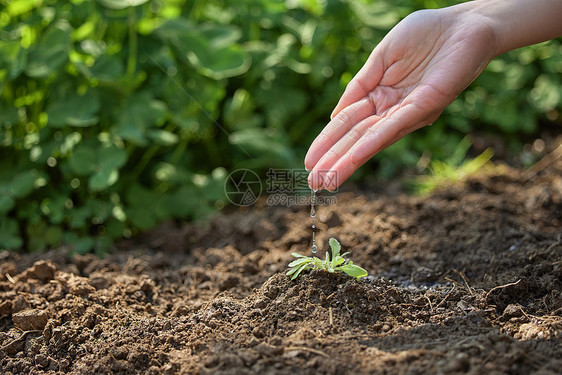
x,y
515,23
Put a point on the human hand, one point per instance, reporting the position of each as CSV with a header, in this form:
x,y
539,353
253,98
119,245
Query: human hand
x,y
418,69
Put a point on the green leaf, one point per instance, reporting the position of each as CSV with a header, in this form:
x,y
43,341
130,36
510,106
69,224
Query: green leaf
x,y
108,68
16,8
281,102
23,183
337,261
140,113
121,4
9,234
103,178
83,160
53,207
79,217
100,162
546,94
220,36
13,58
378,15
50,54
221,63
74,110
163,137
293,270
335,246
297,262
81,245
145,207
298,271
210,49
353,270
7,202
267,143
112,157
9,116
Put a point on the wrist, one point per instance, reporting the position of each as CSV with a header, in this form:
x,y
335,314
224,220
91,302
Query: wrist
x,y
514,23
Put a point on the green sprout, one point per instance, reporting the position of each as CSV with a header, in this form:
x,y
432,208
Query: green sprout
x,y
336,264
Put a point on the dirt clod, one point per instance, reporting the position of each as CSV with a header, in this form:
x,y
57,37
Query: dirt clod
x,y
42,270
30,320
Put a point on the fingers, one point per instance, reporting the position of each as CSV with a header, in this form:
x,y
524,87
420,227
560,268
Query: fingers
x,y
405,120
321,173
363,83
363,141
336,130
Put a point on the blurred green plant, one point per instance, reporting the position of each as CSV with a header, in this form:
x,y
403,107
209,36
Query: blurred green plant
x,y
457,168
116,115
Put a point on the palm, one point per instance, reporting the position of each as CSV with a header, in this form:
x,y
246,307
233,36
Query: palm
x,y
409,79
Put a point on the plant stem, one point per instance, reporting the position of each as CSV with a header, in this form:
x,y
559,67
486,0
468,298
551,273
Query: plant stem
x,y
178,151
146,157
133,44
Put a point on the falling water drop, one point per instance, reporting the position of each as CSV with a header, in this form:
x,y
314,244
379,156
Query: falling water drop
x,y
312,204
314,248
313,216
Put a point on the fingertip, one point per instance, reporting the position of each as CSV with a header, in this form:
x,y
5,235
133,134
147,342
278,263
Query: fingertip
x,y
331,186
337,109
308,164
315,180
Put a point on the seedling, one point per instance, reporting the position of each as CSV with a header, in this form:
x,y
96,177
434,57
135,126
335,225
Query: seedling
x,y
337,263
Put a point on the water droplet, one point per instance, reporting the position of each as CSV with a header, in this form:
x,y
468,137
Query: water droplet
x,y
313,215
312,203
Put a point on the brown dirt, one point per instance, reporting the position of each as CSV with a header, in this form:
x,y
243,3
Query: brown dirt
x,y
468,280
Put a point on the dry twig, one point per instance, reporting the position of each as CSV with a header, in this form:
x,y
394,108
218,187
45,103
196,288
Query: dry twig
x,y
463,277
445,298
543,163
501,287
305,349
21,337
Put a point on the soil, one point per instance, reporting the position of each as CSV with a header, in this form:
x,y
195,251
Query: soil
x,y
467,280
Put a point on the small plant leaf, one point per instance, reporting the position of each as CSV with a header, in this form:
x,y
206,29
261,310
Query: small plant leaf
x,y
299,261
335,246
297,255
296,267
299,270
292,271
338,261
353,270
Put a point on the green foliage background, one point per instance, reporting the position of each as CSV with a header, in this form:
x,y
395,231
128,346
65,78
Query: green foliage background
x,y
118,114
